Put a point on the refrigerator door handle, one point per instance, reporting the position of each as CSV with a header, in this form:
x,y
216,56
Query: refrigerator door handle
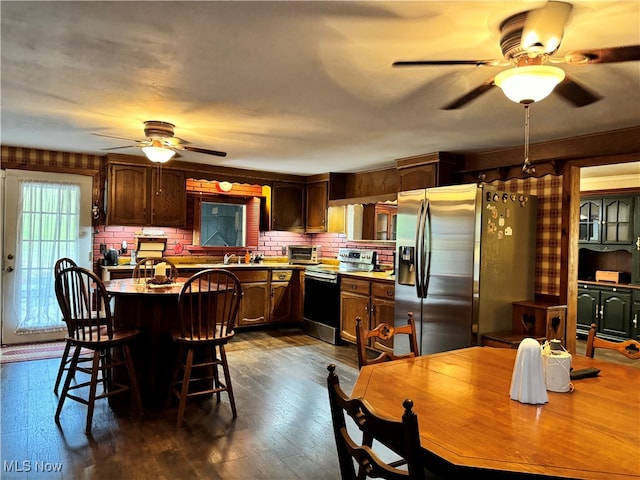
x,y
417,261
426,270
422,253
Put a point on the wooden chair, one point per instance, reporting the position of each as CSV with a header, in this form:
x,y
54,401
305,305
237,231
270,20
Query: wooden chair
x,y
60,265
84,301
402,437
628,348
384,332
144,269
208,305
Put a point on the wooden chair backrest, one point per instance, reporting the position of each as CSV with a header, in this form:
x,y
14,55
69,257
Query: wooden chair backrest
x,y
208,304
63,263
628,348
84,303
401,436
384,331
144,268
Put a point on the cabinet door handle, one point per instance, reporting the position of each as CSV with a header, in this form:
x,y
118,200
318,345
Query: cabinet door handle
x,y
596,313
635,321
601,311
638,243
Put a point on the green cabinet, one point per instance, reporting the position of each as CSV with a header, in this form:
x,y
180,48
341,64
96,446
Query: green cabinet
x,y
612,309
606,221
588,307
615,313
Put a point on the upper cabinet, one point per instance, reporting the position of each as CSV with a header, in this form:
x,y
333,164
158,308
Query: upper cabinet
x,y
288,206
606,221
379,221
317,199
141,195
431,170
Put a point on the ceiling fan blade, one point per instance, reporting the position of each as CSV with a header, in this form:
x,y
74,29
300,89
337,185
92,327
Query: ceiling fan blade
x,y
204,150
628,53
544,27
120,138
470,96
124,146
575,93
417,63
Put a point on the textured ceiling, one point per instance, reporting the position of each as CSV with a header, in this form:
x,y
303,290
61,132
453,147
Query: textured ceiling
x,y
292,87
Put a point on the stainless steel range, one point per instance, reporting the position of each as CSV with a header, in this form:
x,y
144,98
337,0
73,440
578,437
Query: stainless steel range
x,y
356,259
321,318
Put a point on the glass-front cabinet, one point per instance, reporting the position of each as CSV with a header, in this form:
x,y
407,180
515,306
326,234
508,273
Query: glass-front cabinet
x,y
606,221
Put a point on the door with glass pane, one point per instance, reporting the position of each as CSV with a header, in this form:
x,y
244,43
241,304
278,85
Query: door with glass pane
x,y
46,216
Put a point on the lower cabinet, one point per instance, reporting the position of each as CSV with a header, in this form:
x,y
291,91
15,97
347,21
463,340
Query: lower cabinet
x,y
254,307
355,295
281,296
372,301
610,308
268,296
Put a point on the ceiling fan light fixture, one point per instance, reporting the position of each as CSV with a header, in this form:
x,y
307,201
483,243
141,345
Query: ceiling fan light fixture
x,y
158,154
530,83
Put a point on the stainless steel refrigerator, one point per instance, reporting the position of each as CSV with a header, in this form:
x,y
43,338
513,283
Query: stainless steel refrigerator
x,y
464,254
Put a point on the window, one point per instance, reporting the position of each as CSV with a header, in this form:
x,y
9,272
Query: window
x,y
222,224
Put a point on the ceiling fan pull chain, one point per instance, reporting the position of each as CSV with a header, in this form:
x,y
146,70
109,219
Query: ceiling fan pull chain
x,y
159,190
526,167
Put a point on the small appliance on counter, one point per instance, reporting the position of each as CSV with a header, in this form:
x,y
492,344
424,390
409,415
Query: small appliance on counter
x,y
111,257
303,254
356,260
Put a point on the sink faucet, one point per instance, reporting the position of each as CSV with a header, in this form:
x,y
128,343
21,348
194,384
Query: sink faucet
x,y
227,257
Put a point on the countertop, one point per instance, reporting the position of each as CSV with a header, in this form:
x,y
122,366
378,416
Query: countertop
x,y
378,276
609,284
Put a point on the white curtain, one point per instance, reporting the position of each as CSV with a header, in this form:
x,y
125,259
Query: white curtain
x,y
48,229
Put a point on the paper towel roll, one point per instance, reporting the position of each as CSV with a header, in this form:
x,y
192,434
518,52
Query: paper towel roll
x,y
557,371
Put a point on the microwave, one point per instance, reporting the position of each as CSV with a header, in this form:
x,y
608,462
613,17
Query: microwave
x,y
303,254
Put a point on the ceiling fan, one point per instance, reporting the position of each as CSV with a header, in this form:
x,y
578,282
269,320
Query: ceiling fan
x,y
160,145
528,42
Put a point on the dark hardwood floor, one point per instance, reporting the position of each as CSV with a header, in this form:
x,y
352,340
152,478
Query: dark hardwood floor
x,y
283,429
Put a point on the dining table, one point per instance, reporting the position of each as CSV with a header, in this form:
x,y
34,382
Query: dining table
x,y
153,309
471,428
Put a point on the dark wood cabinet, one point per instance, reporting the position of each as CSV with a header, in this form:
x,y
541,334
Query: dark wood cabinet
x,y
379,221
128,195
317,205
431,170
610,308
254,307
288,207
373,302
168,198
382,308
140,195
281,296
354,302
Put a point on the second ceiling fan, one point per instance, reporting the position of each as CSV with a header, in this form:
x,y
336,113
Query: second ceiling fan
x,y
528,41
